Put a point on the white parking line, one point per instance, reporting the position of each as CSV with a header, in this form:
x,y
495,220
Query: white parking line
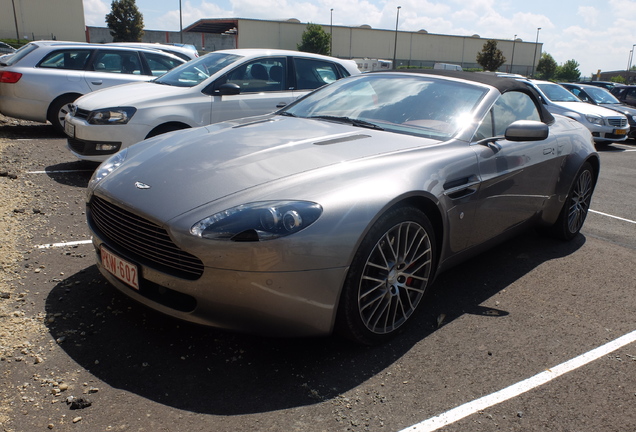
x,y
612,216
55,245
514,390
57,172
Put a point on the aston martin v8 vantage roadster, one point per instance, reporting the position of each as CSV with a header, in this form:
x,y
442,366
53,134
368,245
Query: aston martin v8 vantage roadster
x,y
337,212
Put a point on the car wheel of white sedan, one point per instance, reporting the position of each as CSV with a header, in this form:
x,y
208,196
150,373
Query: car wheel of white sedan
x,y
388,277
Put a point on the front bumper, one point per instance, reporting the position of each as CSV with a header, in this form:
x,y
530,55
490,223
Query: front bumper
x,y
85,140
289,304
608,133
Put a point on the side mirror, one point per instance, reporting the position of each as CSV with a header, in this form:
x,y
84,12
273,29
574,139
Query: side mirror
x,y
228,89
527,130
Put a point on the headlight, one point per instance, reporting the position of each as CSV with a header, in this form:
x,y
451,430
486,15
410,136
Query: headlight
x,y
108,166
258,221
107,116
594,119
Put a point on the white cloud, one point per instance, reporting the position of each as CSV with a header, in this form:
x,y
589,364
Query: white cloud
x,y
95,12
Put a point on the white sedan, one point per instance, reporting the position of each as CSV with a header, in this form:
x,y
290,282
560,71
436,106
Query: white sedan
x,y
220,86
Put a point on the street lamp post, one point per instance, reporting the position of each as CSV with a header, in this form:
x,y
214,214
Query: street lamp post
x,y
534,59
629,62
512,60
15,18
180,23
331,33
397,20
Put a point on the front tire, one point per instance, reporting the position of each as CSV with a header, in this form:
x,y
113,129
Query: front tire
x,y
577,204
388,277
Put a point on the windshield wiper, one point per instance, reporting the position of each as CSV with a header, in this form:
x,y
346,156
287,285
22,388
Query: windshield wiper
x,y
348,120
287,114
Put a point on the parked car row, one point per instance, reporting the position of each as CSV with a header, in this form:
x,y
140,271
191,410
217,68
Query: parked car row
x,y
40,80
315,199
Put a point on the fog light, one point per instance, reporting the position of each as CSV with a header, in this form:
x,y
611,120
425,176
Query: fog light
x,y
106,147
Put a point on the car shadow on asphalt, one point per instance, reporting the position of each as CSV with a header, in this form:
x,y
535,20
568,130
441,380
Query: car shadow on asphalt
x,y
31,130
77,173
203,370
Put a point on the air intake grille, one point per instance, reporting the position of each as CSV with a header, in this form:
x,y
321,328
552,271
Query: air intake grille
x,y
141,240
617,122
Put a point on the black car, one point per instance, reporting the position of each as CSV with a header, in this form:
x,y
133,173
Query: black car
x,y
602,97
608,85
626,94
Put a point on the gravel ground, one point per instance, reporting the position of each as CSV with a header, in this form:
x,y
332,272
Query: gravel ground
x,y
19,332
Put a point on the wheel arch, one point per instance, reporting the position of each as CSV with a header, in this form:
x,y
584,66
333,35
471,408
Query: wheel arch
x,y
54,102
166,127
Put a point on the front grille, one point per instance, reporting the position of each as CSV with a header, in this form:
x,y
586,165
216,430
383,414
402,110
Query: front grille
x,y
617,122
141,240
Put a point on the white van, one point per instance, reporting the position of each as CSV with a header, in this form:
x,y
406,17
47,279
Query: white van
x,y
447,66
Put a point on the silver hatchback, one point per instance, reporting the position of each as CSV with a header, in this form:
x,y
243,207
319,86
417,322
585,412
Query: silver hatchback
x,y
42,79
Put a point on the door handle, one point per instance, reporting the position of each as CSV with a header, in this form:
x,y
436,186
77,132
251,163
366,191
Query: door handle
x,y
100,82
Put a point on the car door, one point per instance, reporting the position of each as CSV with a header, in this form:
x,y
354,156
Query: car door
x,y
110,67
59,72
263,88
517,178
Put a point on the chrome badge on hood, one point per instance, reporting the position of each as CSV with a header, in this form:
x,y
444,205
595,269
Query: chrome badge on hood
x,y
140,185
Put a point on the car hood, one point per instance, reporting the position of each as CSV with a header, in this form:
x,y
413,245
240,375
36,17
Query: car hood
x,y
586,108
191,168
132,94
623,108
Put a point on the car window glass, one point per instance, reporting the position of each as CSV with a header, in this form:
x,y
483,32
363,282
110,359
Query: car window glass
x,y
263,75
630,96
419,106
122,62
601,95
160,64
556,93
510,107
74,59
196,71
311,74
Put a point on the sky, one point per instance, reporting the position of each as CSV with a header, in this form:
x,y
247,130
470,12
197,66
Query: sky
x,y
598,34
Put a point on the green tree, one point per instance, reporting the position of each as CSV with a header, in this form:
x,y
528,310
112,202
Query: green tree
x,y
315,40
568,71
547,67
490,57
125,22
618,79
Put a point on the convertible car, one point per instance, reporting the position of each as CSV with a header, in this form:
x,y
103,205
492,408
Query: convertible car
x,y
337,212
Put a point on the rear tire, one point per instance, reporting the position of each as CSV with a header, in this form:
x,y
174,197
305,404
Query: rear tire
x,y
577,204
388,277
58,110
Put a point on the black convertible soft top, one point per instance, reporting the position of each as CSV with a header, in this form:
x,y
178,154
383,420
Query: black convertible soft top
x,y
503,84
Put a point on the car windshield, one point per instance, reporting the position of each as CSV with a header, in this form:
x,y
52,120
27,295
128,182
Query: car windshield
x,y
601,96
414,105
556,93
196,71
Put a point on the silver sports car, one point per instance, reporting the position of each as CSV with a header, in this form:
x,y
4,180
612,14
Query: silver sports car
x,y
337,212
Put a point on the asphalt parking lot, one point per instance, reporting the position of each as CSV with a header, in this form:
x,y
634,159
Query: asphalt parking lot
x,y
492,349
